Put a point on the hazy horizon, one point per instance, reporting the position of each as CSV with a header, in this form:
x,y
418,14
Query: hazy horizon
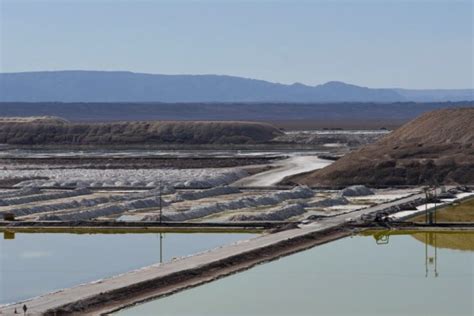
x,y
394,44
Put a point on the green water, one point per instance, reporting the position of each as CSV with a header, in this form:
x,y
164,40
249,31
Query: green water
x,y
352,276
34,264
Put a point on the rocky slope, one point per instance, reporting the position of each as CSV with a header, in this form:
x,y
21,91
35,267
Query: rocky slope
x,y
435,148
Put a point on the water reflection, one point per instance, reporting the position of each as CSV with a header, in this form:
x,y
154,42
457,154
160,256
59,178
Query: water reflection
x,y
431,260
456,240
450,240
430,238
382,273
463,241
8,235
32,264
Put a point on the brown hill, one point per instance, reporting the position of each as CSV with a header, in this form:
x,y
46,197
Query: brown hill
x,y
48,131
437,147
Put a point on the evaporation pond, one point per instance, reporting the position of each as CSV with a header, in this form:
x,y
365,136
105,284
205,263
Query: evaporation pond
x,y
37,263
353,276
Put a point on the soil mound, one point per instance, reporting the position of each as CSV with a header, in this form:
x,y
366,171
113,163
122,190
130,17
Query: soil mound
x,y
54,131
435,148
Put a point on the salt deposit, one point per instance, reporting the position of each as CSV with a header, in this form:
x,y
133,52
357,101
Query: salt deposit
x,y
24,211
107,210
20,192
243,202
356,190
278,214
338,137
43,197
330,202
223,190
202,178
75,205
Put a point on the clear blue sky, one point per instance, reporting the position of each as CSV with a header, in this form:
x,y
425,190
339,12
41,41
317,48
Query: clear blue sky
x,y
378,43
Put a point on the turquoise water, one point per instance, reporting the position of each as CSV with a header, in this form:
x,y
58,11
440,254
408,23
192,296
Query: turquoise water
x,y
352,276
34,264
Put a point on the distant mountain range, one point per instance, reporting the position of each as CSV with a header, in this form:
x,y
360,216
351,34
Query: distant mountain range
x,y
118,86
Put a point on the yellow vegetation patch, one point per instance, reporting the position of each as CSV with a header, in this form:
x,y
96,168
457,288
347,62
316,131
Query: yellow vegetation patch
x,y
462,212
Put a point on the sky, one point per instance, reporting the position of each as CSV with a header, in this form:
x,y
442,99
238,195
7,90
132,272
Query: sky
x,y
374,43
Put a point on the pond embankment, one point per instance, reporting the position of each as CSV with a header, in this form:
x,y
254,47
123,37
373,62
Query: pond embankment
x,y
154,281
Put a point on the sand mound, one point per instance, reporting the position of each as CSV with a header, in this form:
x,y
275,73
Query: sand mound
x,y
55,131
437,147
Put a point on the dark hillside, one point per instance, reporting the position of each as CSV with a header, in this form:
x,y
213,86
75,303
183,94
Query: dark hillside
x,y
37,132
435,148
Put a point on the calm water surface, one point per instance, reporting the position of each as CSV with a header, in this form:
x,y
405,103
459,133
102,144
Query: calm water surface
x,y
399,275
34,264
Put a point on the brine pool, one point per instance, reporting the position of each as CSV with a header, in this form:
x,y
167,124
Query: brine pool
x,y
32,264
401,274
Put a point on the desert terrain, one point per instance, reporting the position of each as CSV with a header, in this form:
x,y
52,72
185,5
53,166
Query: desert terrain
x,y
59,176
436,148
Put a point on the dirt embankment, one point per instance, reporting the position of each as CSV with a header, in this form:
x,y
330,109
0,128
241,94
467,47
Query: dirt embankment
x,y
132,162
57,132
435,148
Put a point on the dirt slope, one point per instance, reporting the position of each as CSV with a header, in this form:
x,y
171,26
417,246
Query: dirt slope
x,y
47,132
437,147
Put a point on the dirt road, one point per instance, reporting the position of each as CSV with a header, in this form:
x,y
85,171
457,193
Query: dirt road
x,y
283,168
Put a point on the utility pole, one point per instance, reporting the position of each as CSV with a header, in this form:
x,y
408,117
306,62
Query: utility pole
x,y
161,207
161,247
430,260
426,204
